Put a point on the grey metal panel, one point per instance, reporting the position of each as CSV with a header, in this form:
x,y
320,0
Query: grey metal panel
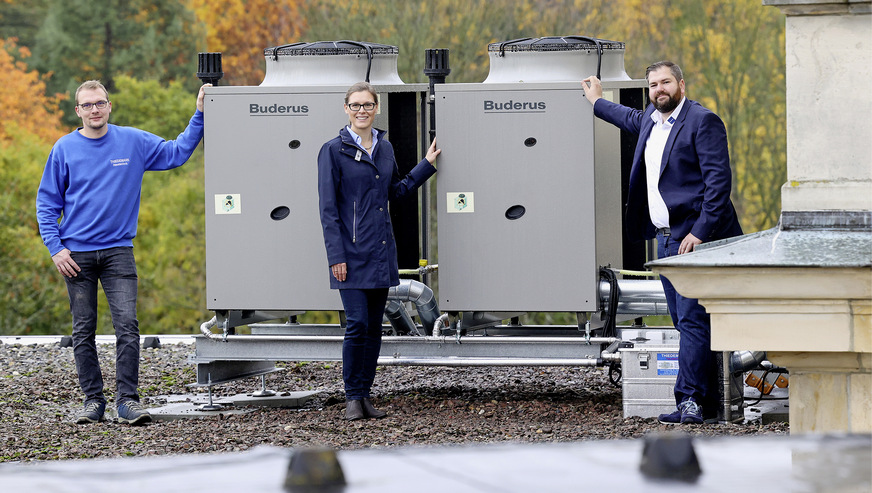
x,y
255,262
545,260
252,260
608,209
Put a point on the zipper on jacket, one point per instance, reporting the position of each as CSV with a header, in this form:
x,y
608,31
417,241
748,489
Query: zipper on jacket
x,y
354,225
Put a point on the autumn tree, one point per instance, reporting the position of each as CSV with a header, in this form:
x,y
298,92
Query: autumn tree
x,y
146,39
172,239
241,29
464,27
467,27
151,106
30,123
32,292
734,59
23,99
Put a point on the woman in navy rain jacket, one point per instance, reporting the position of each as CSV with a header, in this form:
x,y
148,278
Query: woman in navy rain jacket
x,y
357,176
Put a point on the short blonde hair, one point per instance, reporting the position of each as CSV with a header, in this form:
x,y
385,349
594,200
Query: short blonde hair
x,y
90,85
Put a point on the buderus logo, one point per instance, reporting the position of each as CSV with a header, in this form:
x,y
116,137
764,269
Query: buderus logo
x,y
512,106
276,109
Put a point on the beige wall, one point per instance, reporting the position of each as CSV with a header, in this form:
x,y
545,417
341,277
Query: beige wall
x,y
829,103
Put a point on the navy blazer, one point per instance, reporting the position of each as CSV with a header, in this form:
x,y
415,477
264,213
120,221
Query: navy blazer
x,y
353,194
695,176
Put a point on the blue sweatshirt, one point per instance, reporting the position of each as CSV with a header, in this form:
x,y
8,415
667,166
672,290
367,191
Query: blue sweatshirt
x,y
94,185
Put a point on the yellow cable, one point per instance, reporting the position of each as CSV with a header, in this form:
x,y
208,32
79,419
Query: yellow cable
x,y
641,273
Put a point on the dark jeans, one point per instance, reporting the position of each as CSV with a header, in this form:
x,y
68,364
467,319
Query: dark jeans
x,y
697,364
364,312
115,269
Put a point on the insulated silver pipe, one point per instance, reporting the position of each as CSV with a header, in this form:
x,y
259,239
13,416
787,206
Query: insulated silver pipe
x,y
636,297
206,327
605,358
742,361
400,318
441,322
458,362
420,294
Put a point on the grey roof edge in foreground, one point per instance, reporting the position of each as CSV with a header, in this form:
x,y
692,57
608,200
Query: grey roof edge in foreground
x,y
795,463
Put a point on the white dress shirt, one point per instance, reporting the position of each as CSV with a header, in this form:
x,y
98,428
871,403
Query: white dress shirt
x,y
654,148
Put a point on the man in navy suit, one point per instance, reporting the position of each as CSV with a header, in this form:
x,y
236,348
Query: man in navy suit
x,y
679,193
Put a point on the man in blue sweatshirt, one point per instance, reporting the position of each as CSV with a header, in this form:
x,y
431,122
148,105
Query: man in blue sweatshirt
x,y
87,207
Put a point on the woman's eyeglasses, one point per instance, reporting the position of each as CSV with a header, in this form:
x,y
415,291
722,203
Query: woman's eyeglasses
x,y
358,106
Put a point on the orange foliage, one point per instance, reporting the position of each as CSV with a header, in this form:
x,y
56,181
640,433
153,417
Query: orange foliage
x,y
241,29
23,98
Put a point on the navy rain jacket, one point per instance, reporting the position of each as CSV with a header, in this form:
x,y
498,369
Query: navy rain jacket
x,y
353,192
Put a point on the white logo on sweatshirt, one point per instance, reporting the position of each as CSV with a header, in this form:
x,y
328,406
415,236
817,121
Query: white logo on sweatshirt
x,y
120,162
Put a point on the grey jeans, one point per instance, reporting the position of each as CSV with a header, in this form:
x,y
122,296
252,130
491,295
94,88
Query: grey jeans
x,y
115,269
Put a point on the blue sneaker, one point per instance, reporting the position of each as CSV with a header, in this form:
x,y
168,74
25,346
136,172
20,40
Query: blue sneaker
x,y
672,418
92,413
691,412
132,413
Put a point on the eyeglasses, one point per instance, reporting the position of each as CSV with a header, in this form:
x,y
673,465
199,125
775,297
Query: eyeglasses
x,y
87,106
358,106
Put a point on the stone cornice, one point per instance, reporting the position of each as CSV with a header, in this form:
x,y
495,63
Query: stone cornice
x,y
780,248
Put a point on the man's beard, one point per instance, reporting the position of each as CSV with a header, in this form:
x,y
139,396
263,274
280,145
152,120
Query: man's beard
x,y
669,104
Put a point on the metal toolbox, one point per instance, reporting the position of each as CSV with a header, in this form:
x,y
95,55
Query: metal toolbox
x,y
649,369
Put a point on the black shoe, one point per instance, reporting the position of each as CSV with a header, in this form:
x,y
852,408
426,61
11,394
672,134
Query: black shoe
x,y
353,410
372,412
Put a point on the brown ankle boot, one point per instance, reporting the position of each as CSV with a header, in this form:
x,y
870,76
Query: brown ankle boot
x,y
353,410
370,411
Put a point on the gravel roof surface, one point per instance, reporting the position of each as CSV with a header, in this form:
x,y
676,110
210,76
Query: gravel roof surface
x,y
39,396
